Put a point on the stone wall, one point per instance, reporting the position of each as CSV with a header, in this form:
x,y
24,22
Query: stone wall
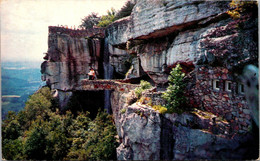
x,y
95,85
229,104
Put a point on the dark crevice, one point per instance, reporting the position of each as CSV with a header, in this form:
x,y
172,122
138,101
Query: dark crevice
x,y
82,101
166,139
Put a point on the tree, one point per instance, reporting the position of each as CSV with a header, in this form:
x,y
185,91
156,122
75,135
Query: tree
x,y
54,136
35,143
174,95
125,10
90,20
107,19
93,140
11,128
13,149
39,104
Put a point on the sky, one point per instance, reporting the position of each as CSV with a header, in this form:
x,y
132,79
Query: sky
x,y
24,23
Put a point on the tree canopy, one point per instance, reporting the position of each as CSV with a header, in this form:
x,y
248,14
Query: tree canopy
x,y
112,15
40,132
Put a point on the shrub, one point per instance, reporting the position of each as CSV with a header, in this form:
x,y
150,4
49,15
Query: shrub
x,y
144,85
239,7
174,95
160,108
145,100
122,111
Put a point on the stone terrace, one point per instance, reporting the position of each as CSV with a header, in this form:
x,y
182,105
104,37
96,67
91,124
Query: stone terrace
x,y
96,85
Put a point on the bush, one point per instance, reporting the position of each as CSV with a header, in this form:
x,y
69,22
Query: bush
x,y
145,100
160,108
144,85
240,7
122,111
174,95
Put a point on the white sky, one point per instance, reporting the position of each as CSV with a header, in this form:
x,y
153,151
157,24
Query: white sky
x,y
24,23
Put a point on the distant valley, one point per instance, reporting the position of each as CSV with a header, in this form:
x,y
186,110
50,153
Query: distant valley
x,y
19,80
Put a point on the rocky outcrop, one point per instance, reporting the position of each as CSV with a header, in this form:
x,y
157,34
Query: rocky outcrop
x,y
164,33
145,134
204,39
70,55
158,23
158,18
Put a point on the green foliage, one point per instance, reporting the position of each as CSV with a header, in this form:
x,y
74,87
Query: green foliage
x,y
240,7
95,140
35,143
174,95
52,136
144,85
11,128
13,149
160,108
90,21
122,111
107,19
125,10
39,104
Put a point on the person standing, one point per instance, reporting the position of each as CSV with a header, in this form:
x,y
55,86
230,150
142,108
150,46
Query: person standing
x,y
91,74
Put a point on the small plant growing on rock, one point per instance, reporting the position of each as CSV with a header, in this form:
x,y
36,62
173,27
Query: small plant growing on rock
x,y
145,100
122,111
160,108
174,95
144,85
238,7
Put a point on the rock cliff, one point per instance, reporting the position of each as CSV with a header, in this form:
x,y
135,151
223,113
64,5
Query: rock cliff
x,y
145,134
212,49
70,55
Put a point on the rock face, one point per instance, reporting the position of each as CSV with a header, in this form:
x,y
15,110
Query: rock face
x,y
159,23
202,37
158,18
145,134
69,57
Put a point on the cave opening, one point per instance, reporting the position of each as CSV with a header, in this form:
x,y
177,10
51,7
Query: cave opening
x,y
82,101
